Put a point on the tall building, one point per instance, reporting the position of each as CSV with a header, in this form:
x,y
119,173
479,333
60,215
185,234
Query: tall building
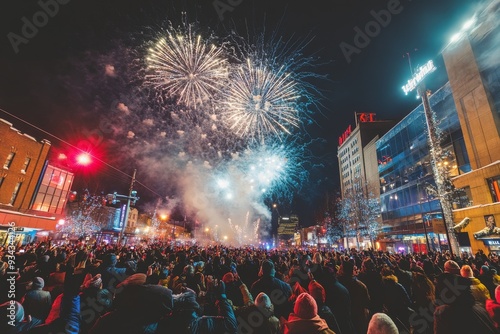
x,y
412,218
473,64
356,155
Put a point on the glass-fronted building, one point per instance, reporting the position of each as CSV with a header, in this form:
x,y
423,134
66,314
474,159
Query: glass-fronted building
x,y
412,218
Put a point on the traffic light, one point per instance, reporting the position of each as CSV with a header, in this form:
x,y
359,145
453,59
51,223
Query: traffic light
x,y
111,198
72,196
133,196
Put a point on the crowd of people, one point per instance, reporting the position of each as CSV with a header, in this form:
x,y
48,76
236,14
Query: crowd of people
x,y
159,288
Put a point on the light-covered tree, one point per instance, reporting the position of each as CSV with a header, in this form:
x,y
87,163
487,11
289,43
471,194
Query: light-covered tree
x,y
358,212
86,216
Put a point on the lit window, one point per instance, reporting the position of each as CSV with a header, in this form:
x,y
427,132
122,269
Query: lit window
x,y
9,159
494,185
15,192
26,164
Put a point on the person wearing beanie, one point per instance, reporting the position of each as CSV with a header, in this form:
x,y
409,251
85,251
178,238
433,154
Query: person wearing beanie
x,y
278,290
381,323
479,290
451,267
493,308
305,318
37,302
317,291
263,308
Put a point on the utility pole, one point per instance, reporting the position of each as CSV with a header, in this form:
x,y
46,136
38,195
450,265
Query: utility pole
x,y
127,209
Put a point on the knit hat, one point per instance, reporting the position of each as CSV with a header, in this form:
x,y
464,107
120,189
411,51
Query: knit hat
x,y
37,283
263,301
228,278
268,268
305,306
94,282
466,271
317,291
485,269
135,279
451,267
264,304
381,323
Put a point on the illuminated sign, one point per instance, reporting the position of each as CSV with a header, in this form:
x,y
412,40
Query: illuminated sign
x,y
419,76
494,242
366,117
344,136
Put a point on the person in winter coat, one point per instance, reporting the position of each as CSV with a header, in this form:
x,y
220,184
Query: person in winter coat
x,y
276,289
493,308
305,318
319,294
37,302
395,299
360,298
479,290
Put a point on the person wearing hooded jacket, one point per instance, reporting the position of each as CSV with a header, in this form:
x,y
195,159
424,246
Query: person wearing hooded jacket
x,y
305,318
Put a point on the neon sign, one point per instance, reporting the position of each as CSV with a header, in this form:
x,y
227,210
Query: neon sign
x,y
366,117
419,76
344,136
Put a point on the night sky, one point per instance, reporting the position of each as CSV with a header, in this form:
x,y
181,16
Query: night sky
x,y
50,80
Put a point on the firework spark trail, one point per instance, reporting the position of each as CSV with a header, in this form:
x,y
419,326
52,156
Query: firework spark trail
x,y
186,67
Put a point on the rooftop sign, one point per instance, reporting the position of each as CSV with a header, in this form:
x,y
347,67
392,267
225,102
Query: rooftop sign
x,y
419,76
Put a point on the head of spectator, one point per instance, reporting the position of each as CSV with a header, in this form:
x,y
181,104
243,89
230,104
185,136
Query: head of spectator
x,y
264,304
317,291
485,270
267,268
466,271
347,268
37,284
305,306
381,323
451,267
317,258
135,279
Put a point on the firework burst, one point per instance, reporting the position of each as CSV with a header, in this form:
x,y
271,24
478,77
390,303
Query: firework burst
x,y
186,67
260,102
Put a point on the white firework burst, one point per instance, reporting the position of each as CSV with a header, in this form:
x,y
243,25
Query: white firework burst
x,y
186,67
260,101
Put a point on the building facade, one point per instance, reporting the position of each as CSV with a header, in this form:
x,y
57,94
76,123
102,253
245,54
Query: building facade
x,y
412,218
473,65
356,155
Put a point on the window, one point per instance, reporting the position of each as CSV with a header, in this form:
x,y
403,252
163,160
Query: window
x,y
15,192
1,180
26,164
9,159
494,185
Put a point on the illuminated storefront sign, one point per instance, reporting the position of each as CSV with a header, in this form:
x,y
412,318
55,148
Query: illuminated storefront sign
x,y
418,76
492,242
